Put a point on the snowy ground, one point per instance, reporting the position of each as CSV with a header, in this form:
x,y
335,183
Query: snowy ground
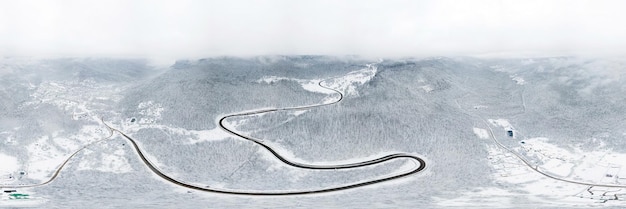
x,y
8,168
346,84
109,165
599,166
49,151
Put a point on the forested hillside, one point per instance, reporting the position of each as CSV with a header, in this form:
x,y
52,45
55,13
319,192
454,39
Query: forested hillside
x,y
566,115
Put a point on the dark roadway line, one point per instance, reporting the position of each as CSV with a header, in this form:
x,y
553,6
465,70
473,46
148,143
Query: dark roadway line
x,y
224,191
527,163
536,167
58,170
154,169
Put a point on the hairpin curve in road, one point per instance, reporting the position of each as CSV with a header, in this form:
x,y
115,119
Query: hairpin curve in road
x,y
154,169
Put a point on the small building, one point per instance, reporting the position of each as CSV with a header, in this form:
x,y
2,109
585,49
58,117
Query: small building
x,y
509,133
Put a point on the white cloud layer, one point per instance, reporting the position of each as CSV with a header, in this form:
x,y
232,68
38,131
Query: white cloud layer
x,y
198,28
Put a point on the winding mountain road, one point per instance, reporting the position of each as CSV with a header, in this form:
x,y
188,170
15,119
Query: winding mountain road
x,y
154,169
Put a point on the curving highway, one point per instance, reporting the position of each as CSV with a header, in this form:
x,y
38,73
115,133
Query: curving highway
x,y
154,169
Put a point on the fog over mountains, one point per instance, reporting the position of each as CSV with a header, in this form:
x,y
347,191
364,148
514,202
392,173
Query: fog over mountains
x,y
473,121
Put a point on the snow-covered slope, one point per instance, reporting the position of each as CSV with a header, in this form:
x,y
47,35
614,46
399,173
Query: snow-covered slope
x,y
567,116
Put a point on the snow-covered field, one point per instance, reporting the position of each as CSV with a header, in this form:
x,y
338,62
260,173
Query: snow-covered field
x,y
600,166
433,108
9,165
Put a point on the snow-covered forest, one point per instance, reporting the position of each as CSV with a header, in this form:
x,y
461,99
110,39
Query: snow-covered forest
x,y
566,114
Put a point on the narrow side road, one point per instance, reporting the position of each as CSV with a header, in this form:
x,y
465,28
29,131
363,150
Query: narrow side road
x,y
536,168
60,167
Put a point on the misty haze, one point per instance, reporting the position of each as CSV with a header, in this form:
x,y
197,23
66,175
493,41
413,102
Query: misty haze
x,y
312,104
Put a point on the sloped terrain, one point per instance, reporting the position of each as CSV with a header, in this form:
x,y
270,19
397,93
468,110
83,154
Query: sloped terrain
x,y
566,116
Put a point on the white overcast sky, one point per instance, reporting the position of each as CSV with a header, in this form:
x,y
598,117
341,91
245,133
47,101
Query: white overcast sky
x,y
200,28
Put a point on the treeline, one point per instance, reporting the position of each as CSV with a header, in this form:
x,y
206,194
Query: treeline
x,y
194,93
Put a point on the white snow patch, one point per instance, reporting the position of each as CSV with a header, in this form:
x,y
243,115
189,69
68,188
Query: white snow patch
x,y
347,83
44,158
501,123
272,79
600,166
115,163
209,135
9,164
427,88
480,107
309,85
519,80
481,133
66,143
352,80
299,112
192,136
313,86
